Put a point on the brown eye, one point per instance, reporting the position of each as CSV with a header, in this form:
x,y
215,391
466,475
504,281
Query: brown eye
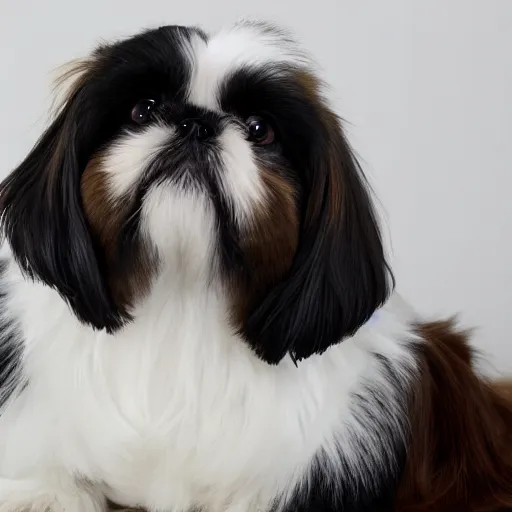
x,y
260,132
141,112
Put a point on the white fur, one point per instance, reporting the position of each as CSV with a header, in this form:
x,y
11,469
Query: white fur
x,y
129,157
176,410
65,79
244,45
180,223
241,177
54,492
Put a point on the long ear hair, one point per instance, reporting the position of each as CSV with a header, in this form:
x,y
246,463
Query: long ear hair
x,y
43,220
339,276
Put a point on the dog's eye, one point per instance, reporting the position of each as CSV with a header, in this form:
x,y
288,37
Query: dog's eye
x,y
260,131
141,112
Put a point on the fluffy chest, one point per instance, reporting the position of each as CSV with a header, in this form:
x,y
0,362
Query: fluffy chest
x,y
176,411
202,419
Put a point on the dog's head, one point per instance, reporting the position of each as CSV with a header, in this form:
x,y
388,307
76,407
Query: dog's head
x,y
214,157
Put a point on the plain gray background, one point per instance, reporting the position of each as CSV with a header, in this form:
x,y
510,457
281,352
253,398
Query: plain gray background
x,y
425,86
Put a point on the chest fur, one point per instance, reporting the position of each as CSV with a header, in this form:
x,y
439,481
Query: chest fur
x,y
176,410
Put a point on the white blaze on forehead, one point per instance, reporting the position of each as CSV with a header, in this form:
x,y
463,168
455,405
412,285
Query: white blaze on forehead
x,y
129,157
246,44
240,177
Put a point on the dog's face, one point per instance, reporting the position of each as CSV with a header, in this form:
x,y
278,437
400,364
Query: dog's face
x,y
216,159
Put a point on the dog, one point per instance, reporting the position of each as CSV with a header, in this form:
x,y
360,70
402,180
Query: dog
x,y
197,311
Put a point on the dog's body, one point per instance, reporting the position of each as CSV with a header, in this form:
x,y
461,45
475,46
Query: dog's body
x,y
174,412
197,313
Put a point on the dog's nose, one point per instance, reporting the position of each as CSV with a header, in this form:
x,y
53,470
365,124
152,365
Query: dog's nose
x,y
196,128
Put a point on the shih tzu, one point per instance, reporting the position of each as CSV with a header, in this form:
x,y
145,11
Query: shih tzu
x,y
197,313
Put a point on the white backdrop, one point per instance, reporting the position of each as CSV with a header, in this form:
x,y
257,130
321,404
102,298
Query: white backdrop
x,y
426,87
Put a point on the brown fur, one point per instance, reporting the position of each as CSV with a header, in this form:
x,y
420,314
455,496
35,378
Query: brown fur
x,y
106,218
504,388
117,508
312,88
268,244
460,453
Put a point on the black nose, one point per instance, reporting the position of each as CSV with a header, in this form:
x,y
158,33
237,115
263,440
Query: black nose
x,y
196,129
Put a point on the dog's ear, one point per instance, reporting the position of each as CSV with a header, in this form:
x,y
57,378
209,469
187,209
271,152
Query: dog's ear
x,y
42,215
339,276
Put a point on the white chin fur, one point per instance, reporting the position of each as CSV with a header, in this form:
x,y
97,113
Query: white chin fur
x,y
180,223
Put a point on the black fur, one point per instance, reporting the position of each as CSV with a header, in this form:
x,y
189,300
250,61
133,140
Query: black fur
x,y
40,202
11,348
339,275
368,484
